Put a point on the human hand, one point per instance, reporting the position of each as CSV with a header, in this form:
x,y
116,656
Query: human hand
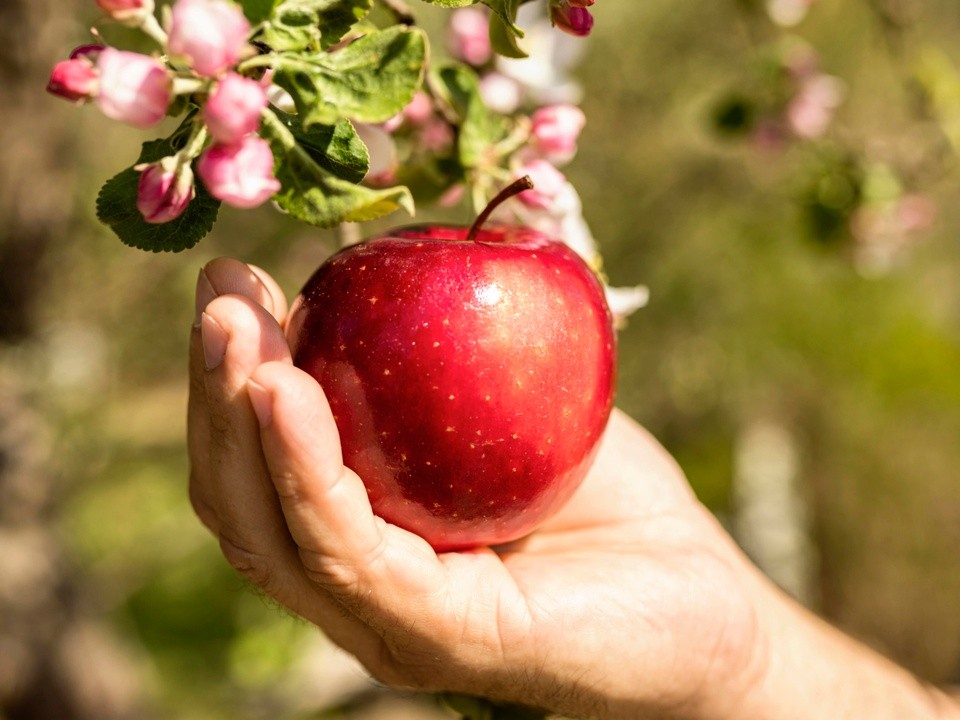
x,y
631,602
629,599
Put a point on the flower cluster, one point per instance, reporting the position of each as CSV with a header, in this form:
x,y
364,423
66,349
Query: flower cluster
x,y
201,45
854,199
547,124
338,119
811,98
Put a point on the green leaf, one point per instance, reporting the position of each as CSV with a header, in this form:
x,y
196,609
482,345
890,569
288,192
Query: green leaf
x,y
503,39
337,148
315,195
258,10
480,128
313,24
117,208
336,21
506,12
370,80
293,28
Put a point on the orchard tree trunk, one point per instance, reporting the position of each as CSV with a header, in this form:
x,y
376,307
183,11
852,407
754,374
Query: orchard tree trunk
x,y
56,661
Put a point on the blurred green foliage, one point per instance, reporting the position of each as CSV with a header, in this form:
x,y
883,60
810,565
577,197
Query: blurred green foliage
x,y
759,310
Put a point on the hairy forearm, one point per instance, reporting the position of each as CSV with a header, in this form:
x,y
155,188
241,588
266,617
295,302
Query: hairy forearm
x,y
814,671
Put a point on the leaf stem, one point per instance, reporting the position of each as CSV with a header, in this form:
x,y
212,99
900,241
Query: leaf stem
x,y
187,85
265,60
198,138
280,131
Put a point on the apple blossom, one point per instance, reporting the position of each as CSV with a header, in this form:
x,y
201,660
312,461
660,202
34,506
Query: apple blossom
x,y
500,93
572,19
548,184
75,79
555,131
240,174
564,220
211,34
468,35
810,111
134,88
165,189
545,76
233,109
127,11
788,13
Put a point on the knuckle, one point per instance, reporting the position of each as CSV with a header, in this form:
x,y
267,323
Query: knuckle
x,y
254,566
287,485
335,575
346,573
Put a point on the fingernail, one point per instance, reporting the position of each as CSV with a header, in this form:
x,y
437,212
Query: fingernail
x,y
205,295
262,402
214,341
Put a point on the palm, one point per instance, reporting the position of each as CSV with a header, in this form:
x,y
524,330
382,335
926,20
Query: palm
x,y
632,549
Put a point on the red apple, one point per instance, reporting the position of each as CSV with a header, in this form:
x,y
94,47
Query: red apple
x,y
471,379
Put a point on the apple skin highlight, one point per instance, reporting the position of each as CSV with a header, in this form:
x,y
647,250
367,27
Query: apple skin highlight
x,y
471,381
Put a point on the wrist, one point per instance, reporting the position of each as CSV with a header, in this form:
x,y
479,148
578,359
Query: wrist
x,y
812,670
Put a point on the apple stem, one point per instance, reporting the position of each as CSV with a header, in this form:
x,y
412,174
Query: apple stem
x,y
514,188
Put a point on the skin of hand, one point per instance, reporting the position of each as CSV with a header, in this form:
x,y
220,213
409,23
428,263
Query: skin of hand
x,y
632,602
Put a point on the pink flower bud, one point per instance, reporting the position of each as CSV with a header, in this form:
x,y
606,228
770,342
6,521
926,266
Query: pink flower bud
x,y
468,35
127,11
134,88
74,80
435,136
548,184
572,19
233,108
555,131
211,34
165,190
418,110
91,52
242,174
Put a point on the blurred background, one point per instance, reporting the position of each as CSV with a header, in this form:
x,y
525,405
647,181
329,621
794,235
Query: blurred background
x,y
782,175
